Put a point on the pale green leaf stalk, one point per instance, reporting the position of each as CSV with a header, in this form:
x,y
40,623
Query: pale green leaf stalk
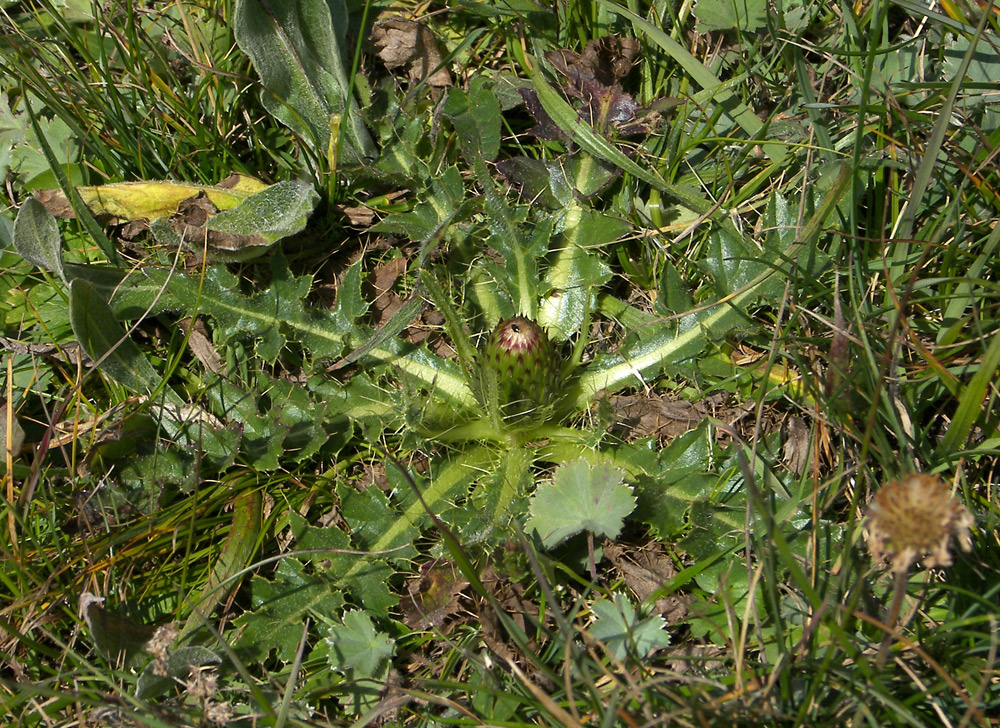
x,y
456,330
724,314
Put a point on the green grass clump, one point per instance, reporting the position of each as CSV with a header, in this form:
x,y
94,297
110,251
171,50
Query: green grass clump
x,y
254,474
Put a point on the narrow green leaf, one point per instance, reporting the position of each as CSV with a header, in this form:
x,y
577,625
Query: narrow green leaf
x,y
298,50
104,340
701,75
117,637
964,297
10,440
36,237
456,329
970,404
236,555
929,164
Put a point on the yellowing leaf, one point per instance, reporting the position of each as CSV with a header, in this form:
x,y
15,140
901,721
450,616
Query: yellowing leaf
x,y
130,201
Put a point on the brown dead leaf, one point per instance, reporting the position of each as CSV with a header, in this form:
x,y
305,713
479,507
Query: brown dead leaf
x,y
401,42
132,230
11,440
372,474
645,570
359,217
652,415
201,345
56,203
189,220
433,596
795,451
605,60
386,302
189,224
386,275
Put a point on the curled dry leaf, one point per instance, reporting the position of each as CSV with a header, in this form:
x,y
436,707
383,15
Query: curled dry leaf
x,y
359,216
200,344
56,203
401,42
604,62
795,451
387,302
12,439
433,596
189,224
645,570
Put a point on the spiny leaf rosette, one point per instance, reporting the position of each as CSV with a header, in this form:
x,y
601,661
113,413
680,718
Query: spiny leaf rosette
x,y
520,363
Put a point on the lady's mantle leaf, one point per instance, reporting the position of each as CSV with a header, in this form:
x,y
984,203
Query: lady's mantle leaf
x,y
622,632
360,652
356,646
581,497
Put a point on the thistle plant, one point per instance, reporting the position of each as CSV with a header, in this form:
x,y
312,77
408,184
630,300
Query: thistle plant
x,y
914,519
520,371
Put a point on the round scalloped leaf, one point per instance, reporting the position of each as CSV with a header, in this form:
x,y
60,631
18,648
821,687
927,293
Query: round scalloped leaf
x,y
581,497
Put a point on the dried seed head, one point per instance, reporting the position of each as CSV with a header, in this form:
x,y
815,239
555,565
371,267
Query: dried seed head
x,y
914,518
